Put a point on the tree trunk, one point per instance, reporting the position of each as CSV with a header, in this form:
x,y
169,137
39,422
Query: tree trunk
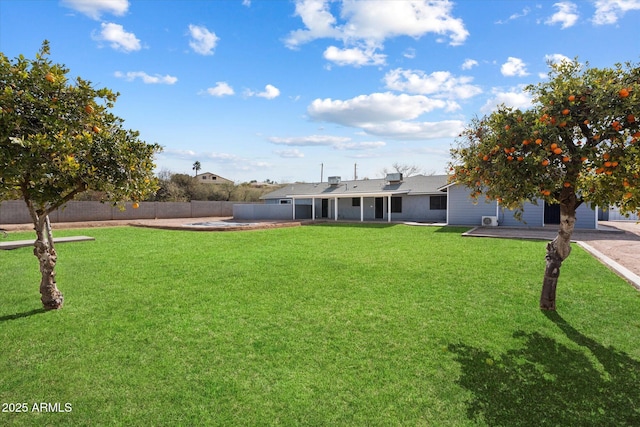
x,y
44,250
558,249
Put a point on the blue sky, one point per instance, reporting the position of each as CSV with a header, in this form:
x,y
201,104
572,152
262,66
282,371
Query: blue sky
x,y
286,90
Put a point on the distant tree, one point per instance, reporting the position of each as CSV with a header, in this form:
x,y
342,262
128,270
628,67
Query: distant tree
x,y
405,169
57,140
197,167
578,143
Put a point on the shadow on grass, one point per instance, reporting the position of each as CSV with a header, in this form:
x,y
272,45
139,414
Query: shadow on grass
x,y
21,315
546,383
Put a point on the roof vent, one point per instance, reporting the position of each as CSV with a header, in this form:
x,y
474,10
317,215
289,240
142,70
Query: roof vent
x,y
394,177
334,180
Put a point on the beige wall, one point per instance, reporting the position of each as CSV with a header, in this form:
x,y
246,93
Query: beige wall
x,y
15,212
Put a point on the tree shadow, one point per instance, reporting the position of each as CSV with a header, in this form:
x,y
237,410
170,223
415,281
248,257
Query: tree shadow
x,y
546,383
23,314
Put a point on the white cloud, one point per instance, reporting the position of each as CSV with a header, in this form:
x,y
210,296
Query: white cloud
x,y
310,141
441,84
354,56
567,15
290,154
409,53
609,11
386,114
337,142
515,16
220,89
515,98
270,92
416,130
555,58
370,23
95,8
377,107
146,78
514,67
469,64
117,37
202,40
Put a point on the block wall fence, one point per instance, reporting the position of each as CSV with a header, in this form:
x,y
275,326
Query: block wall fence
x,y
15,211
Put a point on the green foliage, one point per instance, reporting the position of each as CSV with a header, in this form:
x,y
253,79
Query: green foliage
x,y
274,327
58,138
580,139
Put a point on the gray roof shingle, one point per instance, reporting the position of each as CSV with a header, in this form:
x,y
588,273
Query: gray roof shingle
x,y
413,185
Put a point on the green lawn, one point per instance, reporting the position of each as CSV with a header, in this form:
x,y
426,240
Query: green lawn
x,y
317,325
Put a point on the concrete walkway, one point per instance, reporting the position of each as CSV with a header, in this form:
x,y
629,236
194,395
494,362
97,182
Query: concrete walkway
x,y
616,243
26,243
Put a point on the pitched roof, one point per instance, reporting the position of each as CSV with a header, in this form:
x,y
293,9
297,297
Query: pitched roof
x,y
413,185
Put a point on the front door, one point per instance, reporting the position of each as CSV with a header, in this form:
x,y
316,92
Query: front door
x,y
325,208
551,213
379,207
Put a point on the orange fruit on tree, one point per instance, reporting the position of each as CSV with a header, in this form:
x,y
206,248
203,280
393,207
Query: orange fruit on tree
x,y
606,156
96,129
520,158
625,183
607,164
538,141
586,122
614,164
509,158
624,92
565,112
566,159
485,157
557,151
628,195
88,109
507,127
562,124
525,142
583,159
631,118
566,184
135,205
545,162
554,146
50,78
572,98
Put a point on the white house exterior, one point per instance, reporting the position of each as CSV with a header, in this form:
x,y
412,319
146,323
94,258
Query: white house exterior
x,y
420,198
461,210
416,198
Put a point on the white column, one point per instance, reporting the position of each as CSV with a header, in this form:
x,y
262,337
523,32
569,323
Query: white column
x,y
313,209
293,207
389,209
361,209
336,208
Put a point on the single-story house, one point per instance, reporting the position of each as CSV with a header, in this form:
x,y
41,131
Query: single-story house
x,y
415,198
419,198
212,178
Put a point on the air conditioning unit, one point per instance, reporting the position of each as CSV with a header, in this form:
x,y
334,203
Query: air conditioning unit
x,y
394,177
490,221
334,180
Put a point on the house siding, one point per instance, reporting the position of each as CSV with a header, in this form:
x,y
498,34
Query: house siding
x,y
532,216
461,209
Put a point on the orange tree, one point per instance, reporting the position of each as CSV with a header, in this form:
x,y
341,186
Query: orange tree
x,y
578,143
58,139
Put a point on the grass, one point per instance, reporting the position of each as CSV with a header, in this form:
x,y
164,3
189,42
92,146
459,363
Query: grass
x,y
318,325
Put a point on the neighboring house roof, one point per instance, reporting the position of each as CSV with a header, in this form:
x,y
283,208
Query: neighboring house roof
x,y
212,178
413,185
